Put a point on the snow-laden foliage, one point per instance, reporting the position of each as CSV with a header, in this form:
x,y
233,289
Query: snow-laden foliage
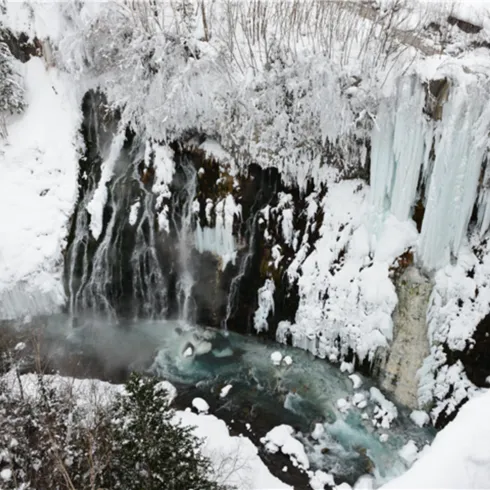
x,y
12,94
49,439
279,83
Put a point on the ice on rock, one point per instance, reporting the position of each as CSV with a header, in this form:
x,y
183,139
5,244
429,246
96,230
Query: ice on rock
x,y
265,305
383,437
385,411
276,358
282,438
287,360
96,205
133,213
420,418
219,240
409,452
284,469
225,390
356,381
399,141
200,405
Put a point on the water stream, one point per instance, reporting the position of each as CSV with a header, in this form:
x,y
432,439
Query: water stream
x,y
202,361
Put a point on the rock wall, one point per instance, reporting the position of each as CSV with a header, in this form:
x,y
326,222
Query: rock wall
x,y
410,346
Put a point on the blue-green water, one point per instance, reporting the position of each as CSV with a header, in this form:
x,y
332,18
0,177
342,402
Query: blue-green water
x,y
301,394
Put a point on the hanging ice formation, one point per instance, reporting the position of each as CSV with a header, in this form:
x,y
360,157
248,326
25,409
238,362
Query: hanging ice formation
x,y
219,239
446,157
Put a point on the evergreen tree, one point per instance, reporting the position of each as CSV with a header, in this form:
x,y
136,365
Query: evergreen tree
x,y
150,451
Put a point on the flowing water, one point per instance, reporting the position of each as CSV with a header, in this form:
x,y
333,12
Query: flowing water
x,y
302,394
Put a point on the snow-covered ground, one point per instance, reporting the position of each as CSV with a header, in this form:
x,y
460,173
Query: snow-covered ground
x,y
459,456
38,190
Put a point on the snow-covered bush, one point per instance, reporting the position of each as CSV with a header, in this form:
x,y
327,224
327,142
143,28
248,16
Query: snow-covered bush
x,y
50,439
277,83
11,87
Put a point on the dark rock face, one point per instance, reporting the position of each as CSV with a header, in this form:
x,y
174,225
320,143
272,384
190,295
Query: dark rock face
x,y
464,25
21,46
476,357
134,268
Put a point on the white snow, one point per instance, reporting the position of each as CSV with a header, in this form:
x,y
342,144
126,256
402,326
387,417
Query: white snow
x,y
459,456
356,381
346,367
225,390
385,411
276,358
318,431
38,190
164,165
200,405
343,405
235,458
282,438
346,295
6,474
420,418
266,305
319,479
133,212
287,360
409,452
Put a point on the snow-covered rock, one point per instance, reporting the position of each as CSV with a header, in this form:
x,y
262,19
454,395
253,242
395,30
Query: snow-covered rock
x,y
276,358
225,390
282,438
420,418
200,405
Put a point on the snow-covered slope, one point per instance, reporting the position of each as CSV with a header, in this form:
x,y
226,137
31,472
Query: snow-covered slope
x,y
38,191
459,457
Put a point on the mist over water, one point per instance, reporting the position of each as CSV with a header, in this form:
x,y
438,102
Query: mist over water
x,y
205,360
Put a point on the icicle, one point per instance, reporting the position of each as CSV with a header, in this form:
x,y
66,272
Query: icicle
x,y
219,240
399,148
460,146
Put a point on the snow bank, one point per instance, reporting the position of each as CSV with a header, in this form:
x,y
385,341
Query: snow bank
x,y
459,456
38,191
235,458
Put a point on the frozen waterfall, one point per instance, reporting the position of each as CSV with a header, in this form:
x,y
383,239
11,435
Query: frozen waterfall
x,y
415,156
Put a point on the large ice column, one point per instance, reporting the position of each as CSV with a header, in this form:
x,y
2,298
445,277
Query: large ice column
x,y
460,145
399,149
400,144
